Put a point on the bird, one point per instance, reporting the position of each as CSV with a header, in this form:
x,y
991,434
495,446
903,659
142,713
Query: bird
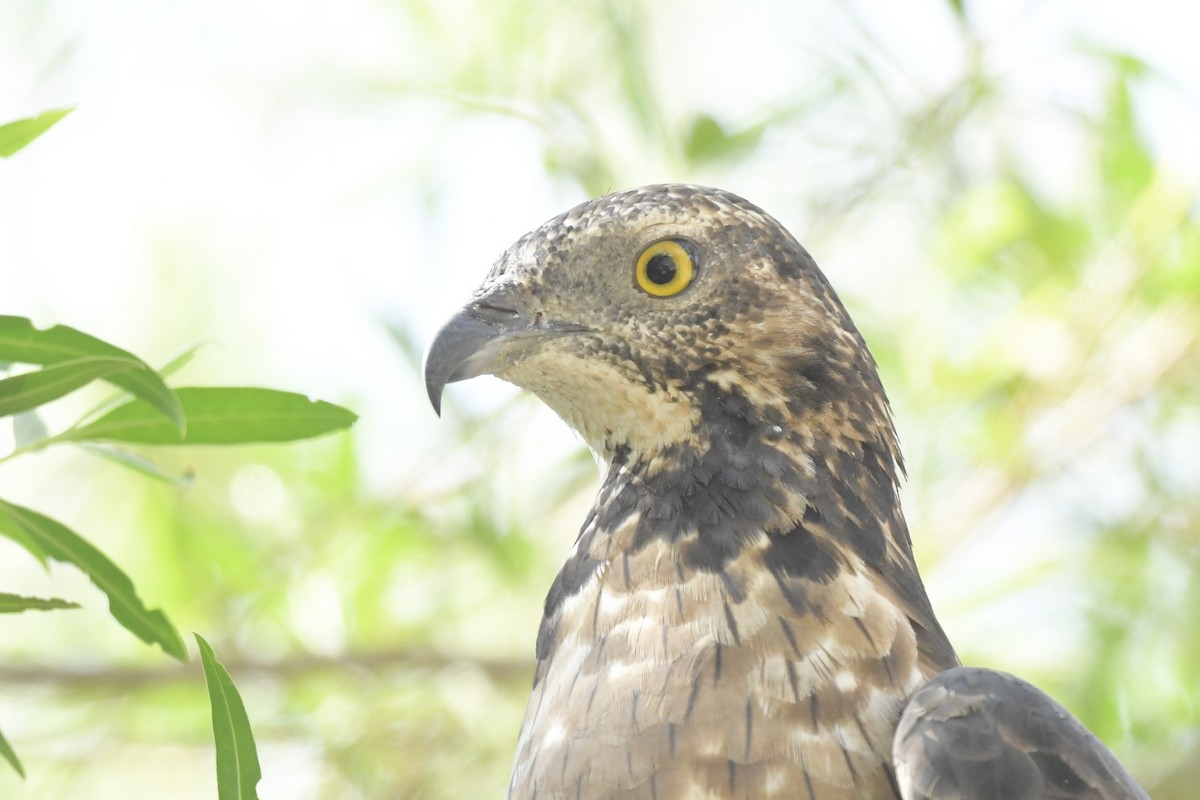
x,y
741,614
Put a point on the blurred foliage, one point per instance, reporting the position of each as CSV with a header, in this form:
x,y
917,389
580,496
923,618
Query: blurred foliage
x,y
1038,344
145,411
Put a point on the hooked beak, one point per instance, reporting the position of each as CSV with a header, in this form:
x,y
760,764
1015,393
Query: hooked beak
x,y
483,338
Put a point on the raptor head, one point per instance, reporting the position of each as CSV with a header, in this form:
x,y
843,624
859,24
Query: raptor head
x,y
667,315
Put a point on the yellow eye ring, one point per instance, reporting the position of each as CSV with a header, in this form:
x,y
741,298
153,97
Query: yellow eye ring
x,y
666,268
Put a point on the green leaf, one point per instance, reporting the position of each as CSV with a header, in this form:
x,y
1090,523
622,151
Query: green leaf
x,y
15,135
1125,159
32,389
7,753
14,531
174,365
238,772
141,465
57,541
182,360
20,341
15,603
220,415
707,140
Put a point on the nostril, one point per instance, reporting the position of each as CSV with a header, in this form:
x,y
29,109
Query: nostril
x,y
492,313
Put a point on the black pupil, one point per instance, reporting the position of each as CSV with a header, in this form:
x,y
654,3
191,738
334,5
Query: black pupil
x,y
661,269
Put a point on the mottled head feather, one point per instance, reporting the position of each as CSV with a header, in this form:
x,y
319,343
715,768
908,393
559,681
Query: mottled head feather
x,y
759,331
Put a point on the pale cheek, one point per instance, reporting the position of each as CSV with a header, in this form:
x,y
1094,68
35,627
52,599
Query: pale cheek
x,y
604,406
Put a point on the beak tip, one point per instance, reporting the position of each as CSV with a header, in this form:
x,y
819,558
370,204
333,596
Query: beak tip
x,y
434,386
453,353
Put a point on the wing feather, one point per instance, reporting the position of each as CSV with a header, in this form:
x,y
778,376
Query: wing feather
x,y
980,734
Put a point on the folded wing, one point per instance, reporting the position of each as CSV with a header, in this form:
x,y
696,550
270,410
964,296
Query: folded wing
x,y
979,734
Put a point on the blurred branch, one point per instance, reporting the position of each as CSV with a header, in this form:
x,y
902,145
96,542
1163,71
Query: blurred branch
x,y
517,671
1135,370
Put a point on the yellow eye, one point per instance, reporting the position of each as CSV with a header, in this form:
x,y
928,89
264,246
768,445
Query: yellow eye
x,y
666,268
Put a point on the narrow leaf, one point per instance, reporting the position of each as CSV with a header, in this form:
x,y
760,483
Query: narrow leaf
x,y
218,415
15,603
7,753
238,772
182,360
62,544
140,464
15,135
13,531
32,389
174,365
20,341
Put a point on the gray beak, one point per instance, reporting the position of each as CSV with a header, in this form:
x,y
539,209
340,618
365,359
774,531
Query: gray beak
x,y
482,339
